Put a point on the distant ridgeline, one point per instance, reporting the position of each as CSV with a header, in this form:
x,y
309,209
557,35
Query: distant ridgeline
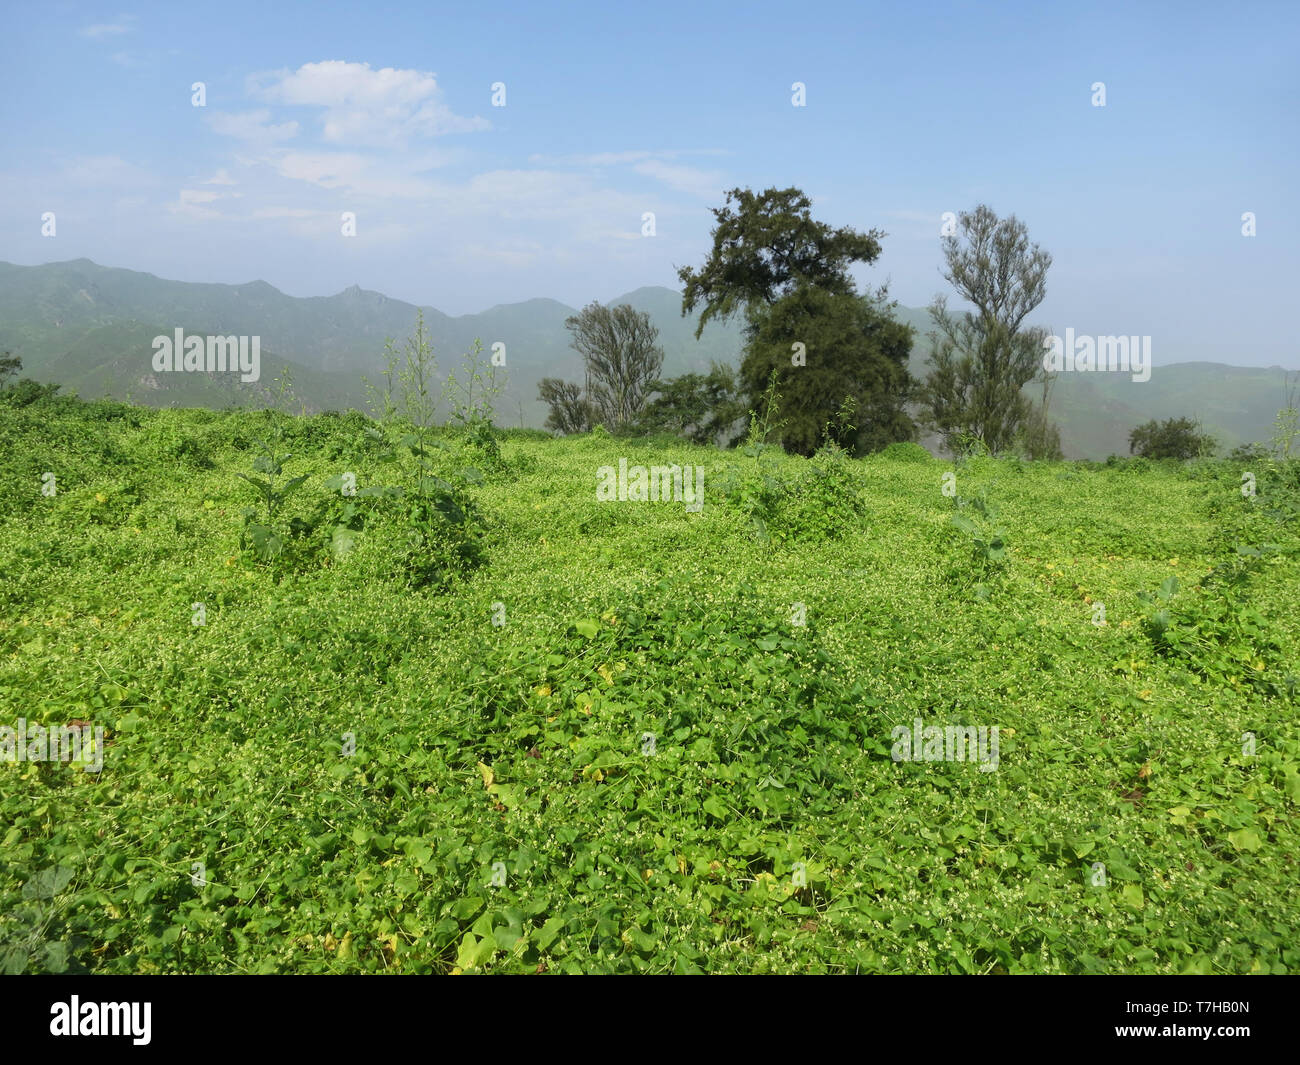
x,y
94,330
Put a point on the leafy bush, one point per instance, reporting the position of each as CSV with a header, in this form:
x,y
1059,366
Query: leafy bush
x,y
905,451
1174,438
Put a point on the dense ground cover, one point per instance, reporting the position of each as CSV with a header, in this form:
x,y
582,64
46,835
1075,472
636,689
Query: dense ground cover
x,y
624,737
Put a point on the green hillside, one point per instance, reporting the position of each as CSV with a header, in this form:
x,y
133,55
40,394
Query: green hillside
x,y
89,327
488,723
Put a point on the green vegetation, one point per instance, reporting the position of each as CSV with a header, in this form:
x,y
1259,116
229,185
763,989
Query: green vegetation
x,y
983,360
807,330
1174,438
89,328
499,726
622,359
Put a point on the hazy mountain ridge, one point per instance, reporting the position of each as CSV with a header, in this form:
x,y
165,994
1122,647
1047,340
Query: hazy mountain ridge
x,y
90,328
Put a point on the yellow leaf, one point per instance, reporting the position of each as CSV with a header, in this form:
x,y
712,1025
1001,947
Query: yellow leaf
x,y
545,689
487,774
345,947
330,941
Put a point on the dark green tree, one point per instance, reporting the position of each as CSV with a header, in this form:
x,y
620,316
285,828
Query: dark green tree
x,y
703,408
828,349
984,358
790,276
1174,438
766,245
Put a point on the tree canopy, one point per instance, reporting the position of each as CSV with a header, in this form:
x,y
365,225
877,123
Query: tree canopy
x,y
766,245
983,358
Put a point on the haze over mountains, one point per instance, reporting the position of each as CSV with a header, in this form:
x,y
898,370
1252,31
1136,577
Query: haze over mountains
x,y
90,328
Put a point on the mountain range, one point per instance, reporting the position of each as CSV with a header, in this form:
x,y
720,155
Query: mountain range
x,y
90,328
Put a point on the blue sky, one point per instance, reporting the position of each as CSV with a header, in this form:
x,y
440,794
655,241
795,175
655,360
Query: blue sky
x,y
614,110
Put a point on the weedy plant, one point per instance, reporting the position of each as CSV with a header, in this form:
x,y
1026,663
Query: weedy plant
x,y
267,537
470,395
760,493
988,539
442,526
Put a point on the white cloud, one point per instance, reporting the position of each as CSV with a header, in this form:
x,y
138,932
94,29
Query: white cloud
x,y
198,196
107,171
289,212
191,203
599,159
364,106
221,177
706,184
252,126
120,25
355,173
515,254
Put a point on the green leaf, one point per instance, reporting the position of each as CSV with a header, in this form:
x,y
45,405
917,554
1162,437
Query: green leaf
x,y
256,482
435,486
548,933
1132,894
56,957
290,485
267,543
47,883
587,627
343,541
1245,839
1292,786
